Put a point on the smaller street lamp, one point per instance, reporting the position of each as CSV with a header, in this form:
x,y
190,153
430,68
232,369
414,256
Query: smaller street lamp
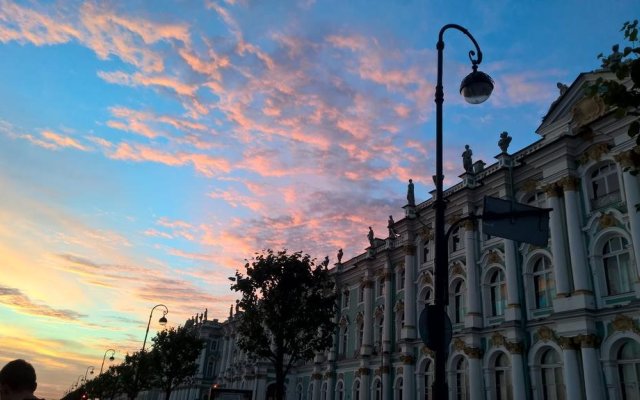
x,y
87,371
162,321
111,358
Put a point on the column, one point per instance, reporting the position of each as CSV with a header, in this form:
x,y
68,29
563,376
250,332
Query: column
x,y
476,386
558,245
408,378
473,319
331,385
593,384
409,328
367,337
579,264
225,350
632,198
317,383
387,329
571,370
365,384
517,371
511,271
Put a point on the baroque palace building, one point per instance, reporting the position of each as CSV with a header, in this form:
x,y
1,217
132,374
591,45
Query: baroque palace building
x,y
555,322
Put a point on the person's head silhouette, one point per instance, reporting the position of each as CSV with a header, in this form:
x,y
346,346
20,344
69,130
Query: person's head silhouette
x,y
17,381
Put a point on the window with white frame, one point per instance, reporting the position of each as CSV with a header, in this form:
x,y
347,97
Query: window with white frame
x,y
428,296
427,374
502,378
360,335
345,298
543,282
381,287
361,294
457,302
399,387
537,199
400,283
615,261
377,389
299,392
380,330
497,292
604,187
461,385
628,361
356,389
344,340
551,376
426,251
456,242
340,391
399,324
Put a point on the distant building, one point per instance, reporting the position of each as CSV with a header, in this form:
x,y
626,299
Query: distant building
x,y
554,322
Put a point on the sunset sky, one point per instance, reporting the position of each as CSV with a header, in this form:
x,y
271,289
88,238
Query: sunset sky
x,y
148,147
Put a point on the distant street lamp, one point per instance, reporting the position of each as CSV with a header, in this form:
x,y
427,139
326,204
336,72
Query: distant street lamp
x,y
162,321
111,358
87,371
476,88
78,381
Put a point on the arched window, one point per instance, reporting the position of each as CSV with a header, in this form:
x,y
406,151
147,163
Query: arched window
x,y
537,199
552,379
380,329
361,294
502,378
299,392
428,381
381,287
497,292
209,369
543,283
340,391
399,324
426,251
457,302
345,299
399,385
615,260
356,389
461,380
377,390
629,370
428,296
360,334
605,186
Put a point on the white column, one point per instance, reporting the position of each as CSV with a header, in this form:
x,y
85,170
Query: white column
x,y
571,370
512,271
365,383
632,197
517,375
387,328
225,350
579,264
476,386
474,310
367,338
558,245
594,387
409,328
408,378
331,386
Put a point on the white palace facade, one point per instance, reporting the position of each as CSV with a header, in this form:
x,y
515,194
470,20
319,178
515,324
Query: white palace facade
x,y
560,321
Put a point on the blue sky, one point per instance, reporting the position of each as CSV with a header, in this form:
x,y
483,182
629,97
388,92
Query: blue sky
x,y
148,148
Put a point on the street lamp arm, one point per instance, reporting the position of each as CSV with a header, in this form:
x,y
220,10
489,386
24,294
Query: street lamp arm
x,y
477,52
105,356
165,312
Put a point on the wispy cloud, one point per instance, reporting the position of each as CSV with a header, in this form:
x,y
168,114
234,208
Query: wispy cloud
x,y
20,302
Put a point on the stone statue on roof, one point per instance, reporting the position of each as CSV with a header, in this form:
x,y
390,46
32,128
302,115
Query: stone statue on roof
x,y
504,141
467,162
411,198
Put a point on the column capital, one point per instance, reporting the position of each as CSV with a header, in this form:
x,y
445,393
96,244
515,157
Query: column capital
x,y
366,284
567,343
409,249
469,225
408,359
628,159
363,371
388,276
551,190
588,341
569,183
514,347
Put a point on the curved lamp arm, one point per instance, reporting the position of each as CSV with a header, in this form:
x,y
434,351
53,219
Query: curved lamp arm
x,y
478,52
163,320
105,356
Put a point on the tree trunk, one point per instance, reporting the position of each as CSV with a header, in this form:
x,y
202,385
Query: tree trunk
x,y
167,393
279,367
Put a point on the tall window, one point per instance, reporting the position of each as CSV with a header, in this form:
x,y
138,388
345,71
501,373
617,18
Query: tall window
x,y
380,329
615,259
552,379
323,392
426,251
629,370
543,283
360,334
210,367
456,243
461,380
399,384
502,378
340,391
400,284
458,310
428,295
361,294
299,392
497,292
377,390
345,299
344,340
381,287
428,381
605,186
399,324
537,199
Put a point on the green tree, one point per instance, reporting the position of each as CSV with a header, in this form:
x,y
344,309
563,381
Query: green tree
x,y
136,363
623,93
173,358
287,304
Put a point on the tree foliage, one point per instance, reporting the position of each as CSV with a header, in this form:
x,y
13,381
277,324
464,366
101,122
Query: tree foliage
x,y
173,358
287,306
623,93
136,363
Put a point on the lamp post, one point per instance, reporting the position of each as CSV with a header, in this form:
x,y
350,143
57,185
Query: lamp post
x,y
476,88
78,381
111,358
162,321
87,371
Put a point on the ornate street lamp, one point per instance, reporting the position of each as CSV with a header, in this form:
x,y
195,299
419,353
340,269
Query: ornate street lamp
x,y
162,321
111,358
476,88
87,371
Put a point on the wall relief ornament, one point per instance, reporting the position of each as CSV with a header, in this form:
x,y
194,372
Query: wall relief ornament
x,y
379,311
344,321
607,220
623,323
493,257
546,334
426,278
586,110
594,153
427,352
457,270
359,317
570,183
629,159
529,186
399,306
426,233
